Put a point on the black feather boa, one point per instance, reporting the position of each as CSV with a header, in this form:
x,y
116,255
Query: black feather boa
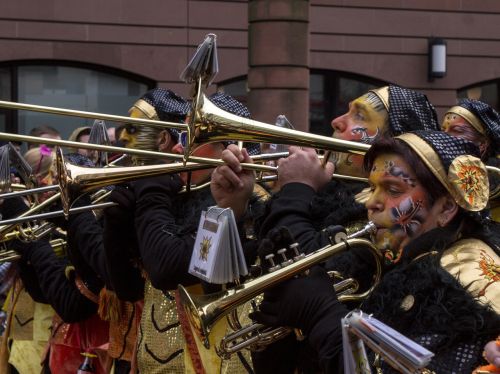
x,y
335,204
442,305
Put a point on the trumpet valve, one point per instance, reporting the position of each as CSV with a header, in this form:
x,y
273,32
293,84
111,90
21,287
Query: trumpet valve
x,y
295,249
270,258
286,261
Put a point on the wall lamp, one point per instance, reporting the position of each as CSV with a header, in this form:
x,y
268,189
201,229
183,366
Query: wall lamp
x,y
437,58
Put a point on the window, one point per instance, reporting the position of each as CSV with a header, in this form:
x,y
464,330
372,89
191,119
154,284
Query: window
x,y
329,95
69,87
487,92
5,94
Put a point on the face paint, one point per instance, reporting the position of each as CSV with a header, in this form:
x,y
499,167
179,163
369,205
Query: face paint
x,y
129,135
457,126
362,123
399,205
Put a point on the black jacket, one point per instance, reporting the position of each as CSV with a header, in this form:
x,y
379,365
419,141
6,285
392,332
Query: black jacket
x,y
445,317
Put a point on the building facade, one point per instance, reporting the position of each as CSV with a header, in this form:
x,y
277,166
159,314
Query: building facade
x,y
314,55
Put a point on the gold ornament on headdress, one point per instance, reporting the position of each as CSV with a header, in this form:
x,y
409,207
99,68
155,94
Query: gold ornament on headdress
x,y
383,95
466,179
469,177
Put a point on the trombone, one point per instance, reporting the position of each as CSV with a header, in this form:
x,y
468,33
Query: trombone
x,y
207,123
58,245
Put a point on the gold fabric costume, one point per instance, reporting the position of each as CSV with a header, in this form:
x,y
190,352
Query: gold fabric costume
x,y
477,268
30,332
161,343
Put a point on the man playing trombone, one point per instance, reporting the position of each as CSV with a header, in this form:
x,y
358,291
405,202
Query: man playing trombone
x,y
312,208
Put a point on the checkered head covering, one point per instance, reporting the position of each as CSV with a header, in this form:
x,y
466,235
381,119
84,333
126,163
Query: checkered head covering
x,y
231,105
482,117
168,105
78,159
157,104
456,164
410,110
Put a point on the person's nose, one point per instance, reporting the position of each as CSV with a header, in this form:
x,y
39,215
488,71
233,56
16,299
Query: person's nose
x,y
374,202
339,123
178,148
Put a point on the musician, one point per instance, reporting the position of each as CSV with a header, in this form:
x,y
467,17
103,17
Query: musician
x,y
439,285
479,123
81,135
389,110
476,122
166,224
44,278
111,252
42,161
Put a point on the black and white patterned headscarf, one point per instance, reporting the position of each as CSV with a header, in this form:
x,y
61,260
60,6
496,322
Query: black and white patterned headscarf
x,y
231,105
168,106
455,163
489,118
410,110
447,147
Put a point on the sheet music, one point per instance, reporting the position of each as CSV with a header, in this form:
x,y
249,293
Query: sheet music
x,y
217,254
396,349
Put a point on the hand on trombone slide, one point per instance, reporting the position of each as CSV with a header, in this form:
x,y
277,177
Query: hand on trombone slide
x,y
231,185
304,166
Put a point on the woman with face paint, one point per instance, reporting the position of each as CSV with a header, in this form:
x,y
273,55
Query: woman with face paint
x,y
310,204
440,275
478,123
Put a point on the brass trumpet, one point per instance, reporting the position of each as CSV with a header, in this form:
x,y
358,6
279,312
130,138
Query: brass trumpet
x,y
205,310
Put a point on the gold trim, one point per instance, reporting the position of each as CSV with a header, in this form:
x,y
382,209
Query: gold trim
x,y
428,156
383,94
469,117
433,162
146,108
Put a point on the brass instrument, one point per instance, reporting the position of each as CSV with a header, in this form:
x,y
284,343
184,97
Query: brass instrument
x,y
75,180
208,123
7,227
205,310
494,194
59,246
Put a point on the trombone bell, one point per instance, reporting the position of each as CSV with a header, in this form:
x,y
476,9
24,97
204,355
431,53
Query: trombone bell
x,y
209,123
75,180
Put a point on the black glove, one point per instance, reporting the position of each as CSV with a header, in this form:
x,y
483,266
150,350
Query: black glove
x,y
13,207
168,184
300,302
275,240
124,196
26,249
